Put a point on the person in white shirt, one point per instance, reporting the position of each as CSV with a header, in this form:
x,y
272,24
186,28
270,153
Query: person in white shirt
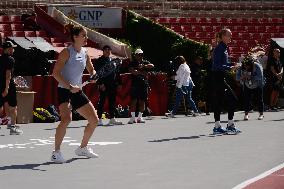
x,y
184,86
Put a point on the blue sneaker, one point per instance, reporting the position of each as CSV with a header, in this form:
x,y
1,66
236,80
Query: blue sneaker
x,y
219,130
232,130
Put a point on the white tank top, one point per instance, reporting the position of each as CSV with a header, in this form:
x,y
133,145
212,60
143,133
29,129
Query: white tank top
x,y
74,66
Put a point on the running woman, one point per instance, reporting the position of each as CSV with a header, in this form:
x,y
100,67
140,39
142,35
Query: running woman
x,y
68,71
221,90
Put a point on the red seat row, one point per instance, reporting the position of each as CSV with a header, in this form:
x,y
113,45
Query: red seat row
x,y
10,19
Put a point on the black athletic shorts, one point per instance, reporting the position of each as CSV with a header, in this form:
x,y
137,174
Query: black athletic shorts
x,y
11,97
77,100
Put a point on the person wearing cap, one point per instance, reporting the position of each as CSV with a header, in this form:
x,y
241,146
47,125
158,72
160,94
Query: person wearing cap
x,y
139,89
107,88
8,88
250,76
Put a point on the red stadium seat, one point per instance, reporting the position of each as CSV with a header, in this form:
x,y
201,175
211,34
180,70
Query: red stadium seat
x,y
4,19
163,20
17,27
223,20
244,21
173,20
245,36
190,35
202,20
251,29
266,36
271,29
186,28
208,28
261,29
41,33
56,40
197,28
182,20
281,29
241,28
176,28
47,39
30,34
264,20
67,44
5,34
58,45
254,21
18,33
212,20
5,27
15,19
192,20
276,20
255,36
201,35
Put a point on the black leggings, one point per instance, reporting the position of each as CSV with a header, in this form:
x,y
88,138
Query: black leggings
x,y
222,94
110,92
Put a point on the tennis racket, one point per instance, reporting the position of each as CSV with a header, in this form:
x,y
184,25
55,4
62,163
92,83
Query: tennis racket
x,y
105,71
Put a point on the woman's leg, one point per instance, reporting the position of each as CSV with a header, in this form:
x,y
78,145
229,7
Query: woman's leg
x,y
66,118
247,99
259,96
101,103
179,95
273,98
88,112
190,100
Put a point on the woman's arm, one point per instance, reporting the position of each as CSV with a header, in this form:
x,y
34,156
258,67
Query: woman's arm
x,y
90,66
62,58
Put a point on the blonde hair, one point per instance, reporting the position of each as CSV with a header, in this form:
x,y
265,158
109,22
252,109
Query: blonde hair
x,y
221,33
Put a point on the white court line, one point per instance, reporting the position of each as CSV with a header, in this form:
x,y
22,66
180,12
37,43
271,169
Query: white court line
x,y
261,176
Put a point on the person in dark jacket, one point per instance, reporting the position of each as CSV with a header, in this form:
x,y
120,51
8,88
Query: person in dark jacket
x,y
107,87
221,90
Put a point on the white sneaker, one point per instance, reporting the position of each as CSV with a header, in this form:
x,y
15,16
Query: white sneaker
x,y
246,117
57,157
170,114
140,120
14,130
260,117
100,123
113,121
132,120
86,151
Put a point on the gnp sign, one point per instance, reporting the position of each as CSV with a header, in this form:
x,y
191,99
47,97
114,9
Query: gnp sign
x,y
94,17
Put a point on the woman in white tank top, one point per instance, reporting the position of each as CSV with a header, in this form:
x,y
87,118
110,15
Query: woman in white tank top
x,y
68,71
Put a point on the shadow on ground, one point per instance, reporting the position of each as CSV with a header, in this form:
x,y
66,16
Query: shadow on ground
x,y
33,166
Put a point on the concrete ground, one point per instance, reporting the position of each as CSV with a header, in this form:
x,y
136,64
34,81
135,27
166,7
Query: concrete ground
x,y
164,153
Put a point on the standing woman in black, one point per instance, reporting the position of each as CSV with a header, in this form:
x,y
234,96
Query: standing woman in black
x,y
222,92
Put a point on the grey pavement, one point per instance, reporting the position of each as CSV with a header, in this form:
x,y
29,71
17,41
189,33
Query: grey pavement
x,y
164,153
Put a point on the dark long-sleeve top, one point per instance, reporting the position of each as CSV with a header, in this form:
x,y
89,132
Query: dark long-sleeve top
x,y
110,80
221,58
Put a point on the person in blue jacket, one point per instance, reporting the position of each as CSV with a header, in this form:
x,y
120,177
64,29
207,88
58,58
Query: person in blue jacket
x,y
250,75
221,91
